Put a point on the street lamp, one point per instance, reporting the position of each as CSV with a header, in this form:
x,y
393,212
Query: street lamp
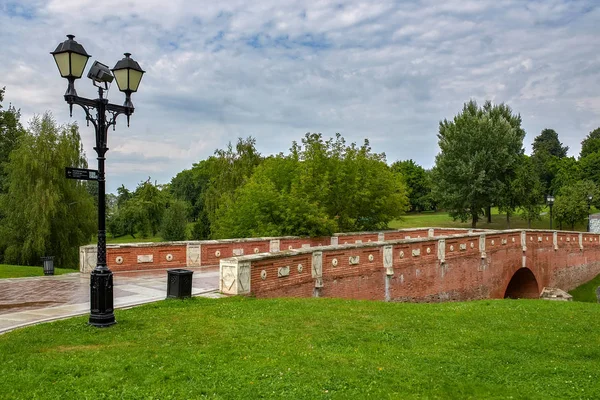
x,y
71,59
589,199
550,201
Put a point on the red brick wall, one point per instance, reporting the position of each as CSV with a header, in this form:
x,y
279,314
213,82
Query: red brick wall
x,y
419,275
212,251
159,253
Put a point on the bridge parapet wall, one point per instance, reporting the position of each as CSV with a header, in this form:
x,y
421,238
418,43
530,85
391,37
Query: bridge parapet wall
x,y
141,256
458,266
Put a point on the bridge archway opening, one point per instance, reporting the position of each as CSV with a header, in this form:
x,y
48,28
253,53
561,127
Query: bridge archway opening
x,y
522,285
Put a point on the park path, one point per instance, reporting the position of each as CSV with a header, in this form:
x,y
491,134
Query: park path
x,y
28,301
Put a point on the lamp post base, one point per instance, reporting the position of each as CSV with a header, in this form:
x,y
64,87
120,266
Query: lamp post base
x,y
101,298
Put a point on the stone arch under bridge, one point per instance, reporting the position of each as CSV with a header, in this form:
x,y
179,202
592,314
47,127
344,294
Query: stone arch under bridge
x,y
522,285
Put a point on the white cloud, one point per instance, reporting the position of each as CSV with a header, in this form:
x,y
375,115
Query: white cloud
x,y
275,69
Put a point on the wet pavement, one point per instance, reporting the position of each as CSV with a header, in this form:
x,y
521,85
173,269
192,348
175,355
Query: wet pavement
x,y
28,301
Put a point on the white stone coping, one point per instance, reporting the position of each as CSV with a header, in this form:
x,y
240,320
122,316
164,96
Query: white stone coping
x,y
467,233
301,251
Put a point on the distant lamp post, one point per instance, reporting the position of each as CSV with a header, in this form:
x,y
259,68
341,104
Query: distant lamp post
x,y
550,201
589,200
71,59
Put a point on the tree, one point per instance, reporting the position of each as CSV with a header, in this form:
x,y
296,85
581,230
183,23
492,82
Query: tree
x,y
547,149
591,144
480,149
418,184
528,191
11,131
547,142
44,213
321,187
139,212
228,170
571,204
566,170
589,167
272,204
174,221
151,201
355,185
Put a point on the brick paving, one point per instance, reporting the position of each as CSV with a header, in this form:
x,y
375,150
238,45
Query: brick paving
x,y
27,301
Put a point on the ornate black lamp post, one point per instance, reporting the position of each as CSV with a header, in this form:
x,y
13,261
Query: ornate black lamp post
x,y
589,200
550,201
71,59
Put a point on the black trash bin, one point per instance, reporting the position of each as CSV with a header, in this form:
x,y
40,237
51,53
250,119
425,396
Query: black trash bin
x,y
48,265
179,283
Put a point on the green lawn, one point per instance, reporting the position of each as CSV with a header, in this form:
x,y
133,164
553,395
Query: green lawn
x,y
587,291
443,220
20,271
244,348
129,239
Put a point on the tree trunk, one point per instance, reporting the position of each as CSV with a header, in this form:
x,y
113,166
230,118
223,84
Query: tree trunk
x,y
507,220
474,219
489,214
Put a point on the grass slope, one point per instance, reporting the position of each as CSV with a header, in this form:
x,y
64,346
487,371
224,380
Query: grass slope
x,y
587,291
21,271
310,349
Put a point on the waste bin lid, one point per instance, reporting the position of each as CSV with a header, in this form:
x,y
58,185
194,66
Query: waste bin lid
x,y
180,271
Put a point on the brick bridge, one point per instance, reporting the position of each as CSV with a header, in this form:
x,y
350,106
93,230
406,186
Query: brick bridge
x,y
428,264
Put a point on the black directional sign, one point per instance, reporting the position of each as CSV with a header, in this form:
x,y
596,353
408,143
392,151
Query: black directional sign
x,y
81,174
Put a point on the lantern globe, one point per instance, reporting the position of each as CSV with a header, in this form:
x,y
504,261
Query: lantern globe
x,y
128,74
70,58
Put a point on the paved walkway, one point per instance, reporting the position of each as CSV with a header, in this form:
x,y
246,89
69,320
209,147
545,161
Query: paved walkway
x,y
28,301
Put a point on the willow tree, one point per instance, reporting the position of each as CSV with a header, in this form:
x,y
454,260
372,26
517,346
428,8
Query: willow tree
x,y
45,214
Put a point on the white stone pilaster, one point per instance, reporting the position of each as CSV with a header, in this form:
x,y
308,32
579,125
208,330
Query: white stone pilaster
x,y
234,277
274,245
441,250
193,251
388,260
88,256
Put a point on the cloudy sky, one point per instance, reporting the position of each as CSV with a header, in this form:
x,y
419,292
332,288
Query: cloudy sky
x,y
275,69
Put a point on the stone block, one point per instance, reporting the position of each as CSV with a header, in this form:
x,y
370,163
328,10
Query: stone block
x,y
555,294
145,258
283,271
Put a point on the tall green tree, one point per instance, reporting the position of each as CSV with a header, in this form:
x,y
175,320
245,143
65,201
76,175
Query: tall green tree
x,y
354,184
152,200
547,150
174,222
321,187
191,186
418,184
11,131
44,213
228,169
528,191
479,150
591,144
571,205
